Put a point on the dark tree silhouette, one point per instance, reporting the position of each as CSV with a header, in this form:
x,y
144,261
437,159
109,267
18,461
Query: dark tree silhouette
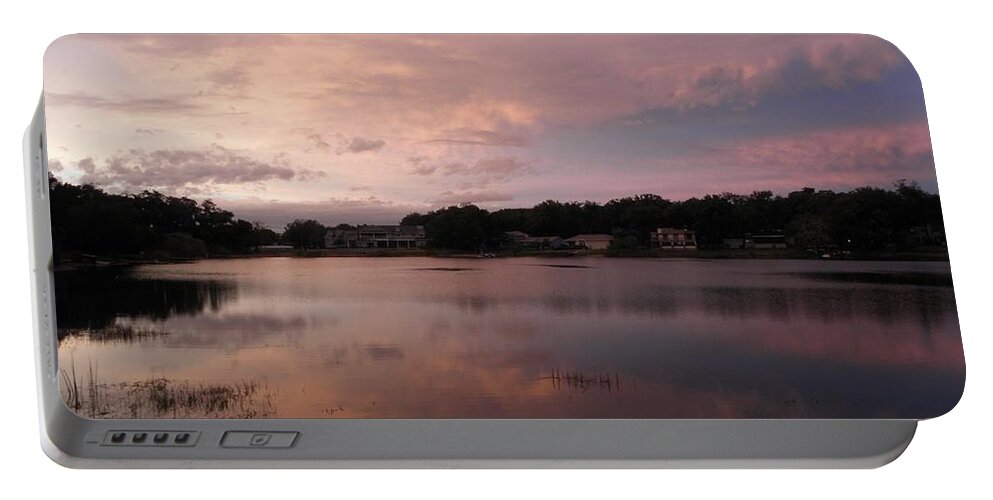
x,y
864,218
88,221
305,234
463,227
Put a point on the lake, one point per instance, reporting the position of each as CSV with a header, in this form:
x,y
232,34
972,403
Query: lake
x,y
425,337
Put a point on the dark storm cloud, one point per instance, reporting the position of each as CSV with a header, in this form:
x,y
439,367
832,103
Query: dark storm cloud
x,y
720,86
738,86
184,171
880,124
87,165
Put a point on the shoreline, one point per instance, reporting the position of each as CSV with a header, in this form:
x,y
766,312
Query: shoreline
x,y
96,261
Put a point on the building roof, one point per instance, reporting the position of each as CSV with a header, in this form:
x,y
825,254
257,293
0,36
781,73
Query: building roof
x,y
591,237
541,239
384,228
516,234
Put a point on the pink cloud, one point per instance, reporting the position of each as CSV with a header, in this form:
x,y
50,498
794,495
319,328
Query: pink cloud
x,y
344,145
839,158
474,137
498,168
413,116
362,144
850,150
185,171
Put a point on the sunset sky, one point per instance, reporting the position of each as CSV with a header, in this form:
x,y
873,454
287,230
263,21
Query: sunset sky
x,y
364,129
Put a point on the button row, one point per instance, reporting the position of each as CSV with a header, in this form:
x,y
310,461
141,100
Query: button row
x,y
143,438
231,439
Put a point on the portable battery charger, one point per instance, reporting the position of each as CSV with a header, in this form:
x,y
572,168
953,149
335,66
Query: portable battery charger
x,y
486,251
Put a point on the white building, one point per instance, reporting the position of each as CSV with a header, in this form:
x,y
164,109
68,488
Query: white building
x,y
369,236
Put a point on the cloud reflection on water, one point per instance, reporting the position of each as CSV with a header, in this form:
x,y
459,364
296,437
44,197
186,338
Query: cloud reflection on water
x,y
684,339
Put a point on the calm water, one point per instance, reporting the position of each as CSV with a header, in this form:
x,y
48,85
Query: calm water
x,y
505,338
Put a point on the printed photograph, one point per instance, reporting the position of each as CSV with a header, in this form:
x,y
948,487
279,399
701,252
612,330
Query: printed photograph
x,y
496,226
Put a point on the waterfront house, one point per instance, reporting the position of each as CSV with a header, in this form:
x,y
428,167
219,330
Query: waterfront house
x,y
522,240
376,236
544,242
590,241
669,238
514,238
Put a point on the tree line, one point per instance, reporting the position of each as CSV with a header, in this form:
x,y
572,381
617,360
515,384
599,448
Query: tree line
x,y
88,220
863,218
